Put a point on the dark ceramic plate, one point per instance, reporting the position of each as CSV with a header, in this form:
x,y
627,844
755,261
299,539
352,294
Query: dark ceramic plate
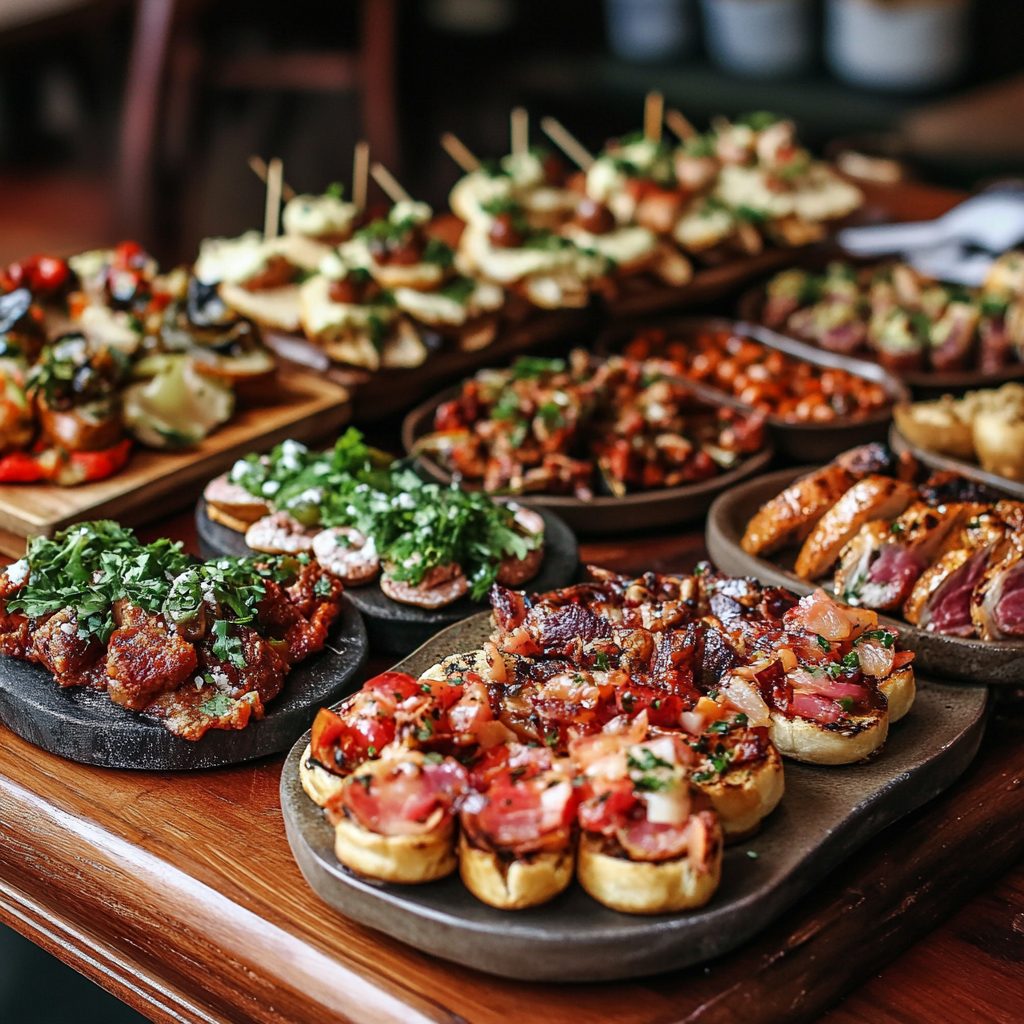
x,y
395,628
386,392
924,383
827,813
643,510
971,470
949,657
86,726
798,442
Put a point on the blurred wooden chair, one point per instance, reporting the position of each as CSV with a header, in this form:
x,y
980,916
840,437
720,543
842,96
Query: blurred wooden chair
x,y
169,64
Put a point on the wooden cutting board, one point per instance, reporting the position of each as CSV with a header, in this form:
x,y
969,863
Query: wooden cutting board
x,y
155,483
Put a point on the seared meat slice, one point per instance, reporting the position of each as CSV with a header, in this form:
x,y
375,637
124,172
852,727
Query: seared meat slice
x,y
789,517
255,665
997,602
15,638
876,459
57,645
190,712
145,660
875,497
941,599
881,564
312,588
282,620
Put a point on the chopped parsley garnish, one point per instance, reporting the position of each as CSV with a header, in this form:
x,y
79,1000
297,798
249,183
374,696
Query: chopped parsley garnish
x,y
226,647
846,703
645,761
822,642
433,757
601,661
425,731
851,660
217,706
719,727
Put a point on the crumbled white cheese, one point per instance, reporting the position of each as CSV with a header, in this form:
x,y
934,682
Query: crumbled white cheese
x,y
17,572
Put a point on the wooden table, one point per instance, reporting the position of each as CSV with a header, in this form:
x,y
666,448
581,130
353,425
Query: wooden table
x,y
178,893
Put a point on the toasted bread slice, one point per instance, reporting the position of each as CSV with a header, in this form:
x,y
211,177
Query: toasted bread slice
x,y
745,795
320,784
646,887
273,307
406,859
806,740
900,690
515,884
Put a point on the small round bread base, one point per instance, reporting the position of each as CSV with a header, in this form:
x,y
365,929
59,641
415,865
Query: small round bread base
x,y
395,628
645,887
804,740
320,784
900,690
746,795
514,885
218,515
407,860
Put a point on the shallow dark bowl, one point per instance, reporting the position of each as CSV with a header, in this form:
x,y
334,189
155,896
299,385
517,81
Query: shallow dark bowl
x,y
827,813
923,383
944,657
85,725
395,628
971,470
797,442
643,510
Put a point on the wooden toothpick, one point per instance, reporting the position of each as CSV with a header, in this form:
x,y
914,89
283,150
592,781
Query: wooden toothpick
x,y
654,108
259,167
272,213
567,143
360,171
680,125
520,125
459,152
388,182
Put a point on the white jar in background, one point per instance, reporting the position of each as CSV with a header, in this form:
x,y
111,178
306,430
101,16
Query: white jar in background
x,y
649,30
760,38
897,44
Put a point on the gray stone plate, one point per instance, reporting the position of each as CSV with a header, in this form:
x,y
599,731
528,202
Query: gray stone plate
x,y
995,662
396,628
826,814
85,725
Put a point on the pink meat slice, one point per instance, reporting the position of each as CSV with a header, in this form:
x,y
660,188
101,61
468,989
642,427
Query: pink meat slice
x,y
897,569
951,605
1009,610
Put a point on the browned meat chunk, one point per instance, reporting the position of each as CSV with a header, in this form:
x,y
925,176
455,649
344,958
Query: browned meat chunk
x,y
57,645
144,661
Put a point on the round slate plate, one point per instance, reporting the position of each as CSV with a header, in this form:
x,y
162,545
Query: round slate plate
x,y
644,510
923,383
827,813
395,628
85,725
948,657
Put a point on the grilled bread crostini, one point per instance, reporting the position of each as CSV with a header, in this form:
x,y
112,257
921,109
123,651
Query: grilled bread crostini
x,y
517,847
649,843
874,497
393,820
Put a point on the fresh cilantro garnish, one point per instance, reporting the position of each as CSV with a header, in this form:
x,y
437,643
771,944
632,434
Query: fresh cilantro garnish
x,y
425,730
846,703
601,661
719,727
433,757
216,706
850,660
702,776
822,642
226,647
645,761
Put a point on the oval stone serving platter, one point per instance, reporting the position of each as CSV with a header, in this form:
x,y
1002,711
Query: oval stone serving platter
x,y
999,662
826,814
85,725
396,628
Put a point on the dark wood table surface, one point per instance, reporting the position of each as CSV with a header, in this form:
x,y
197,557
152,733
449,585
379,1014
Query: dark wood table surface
x,y
178,893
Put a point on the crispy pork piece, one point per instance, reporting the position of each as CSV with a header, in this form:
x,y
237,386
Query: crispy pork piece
x,y
789,517
881,564
874,497
145,661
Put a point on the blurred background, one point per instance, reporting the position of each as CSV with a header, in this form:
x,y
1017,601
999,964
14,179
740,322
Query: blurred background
x,y
136,118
